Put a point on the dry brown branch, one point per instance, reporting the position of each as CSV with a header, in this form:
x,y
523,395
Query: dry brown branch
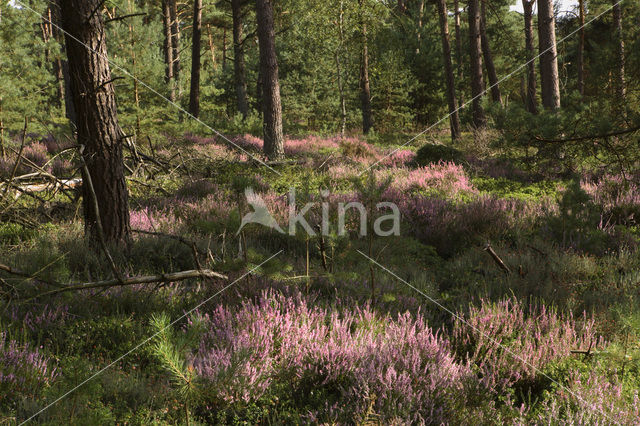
x,y
19,273
149,279
497,259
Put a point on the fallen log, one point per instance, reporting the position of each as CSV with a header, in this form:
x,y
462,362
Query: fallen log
x,y
149,279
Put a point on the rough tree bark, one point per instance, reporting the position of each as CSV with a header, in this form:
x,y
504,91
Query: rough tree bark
x,y
496,96
454,119
475,54
531,101
621,87
459,59
194,92
95,102
548,55
365,86
271,104
239,64
168,49
581,17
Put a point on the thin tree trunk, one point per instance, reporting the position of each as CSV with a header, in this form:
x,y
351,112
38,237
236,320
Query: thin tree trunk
x,y
581,17
175,43
339,52
224,49
69,107
454,119
194,93
420,25
98,129
459,58
548,55
212,48
531,101
136,90
3,154
272,107
238,63
365,87
496,96
168,49
475,54
58,67
621,87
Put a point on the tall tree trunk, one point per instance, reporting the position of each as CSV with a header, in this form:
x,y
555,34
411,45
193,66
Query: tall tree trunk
x,y
340,79
238,63
58,67
488,56
548,55
70,110
272,107
621,87
136,89
459,60
98,130
224,49
581,17
531,101
454,119
475,53
194,93
168,49
175,43
420,25
212,48
365,87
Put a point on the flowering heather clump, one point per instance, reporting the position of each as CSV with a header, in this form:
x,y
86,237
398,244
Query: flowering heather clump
x,y
199,140
351,356
39,319
399,158
249,142
36,153
54,146
592,400
61,167
442,223
154,220
494,332
310,145
23,372
342,171
617,196
443,178
6,166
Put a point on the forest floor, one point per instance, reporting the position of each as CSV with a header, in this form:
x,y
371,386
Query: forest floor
x,y
509,296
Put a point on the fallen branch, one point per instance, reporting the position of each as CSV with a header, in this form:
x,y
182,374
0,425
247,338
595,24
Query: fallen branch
x,y
19,273
497,259
149,279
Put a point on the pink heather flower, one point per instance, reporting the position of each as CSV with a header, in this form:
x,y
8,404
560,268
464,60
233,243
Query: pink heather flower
x,y
356,353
